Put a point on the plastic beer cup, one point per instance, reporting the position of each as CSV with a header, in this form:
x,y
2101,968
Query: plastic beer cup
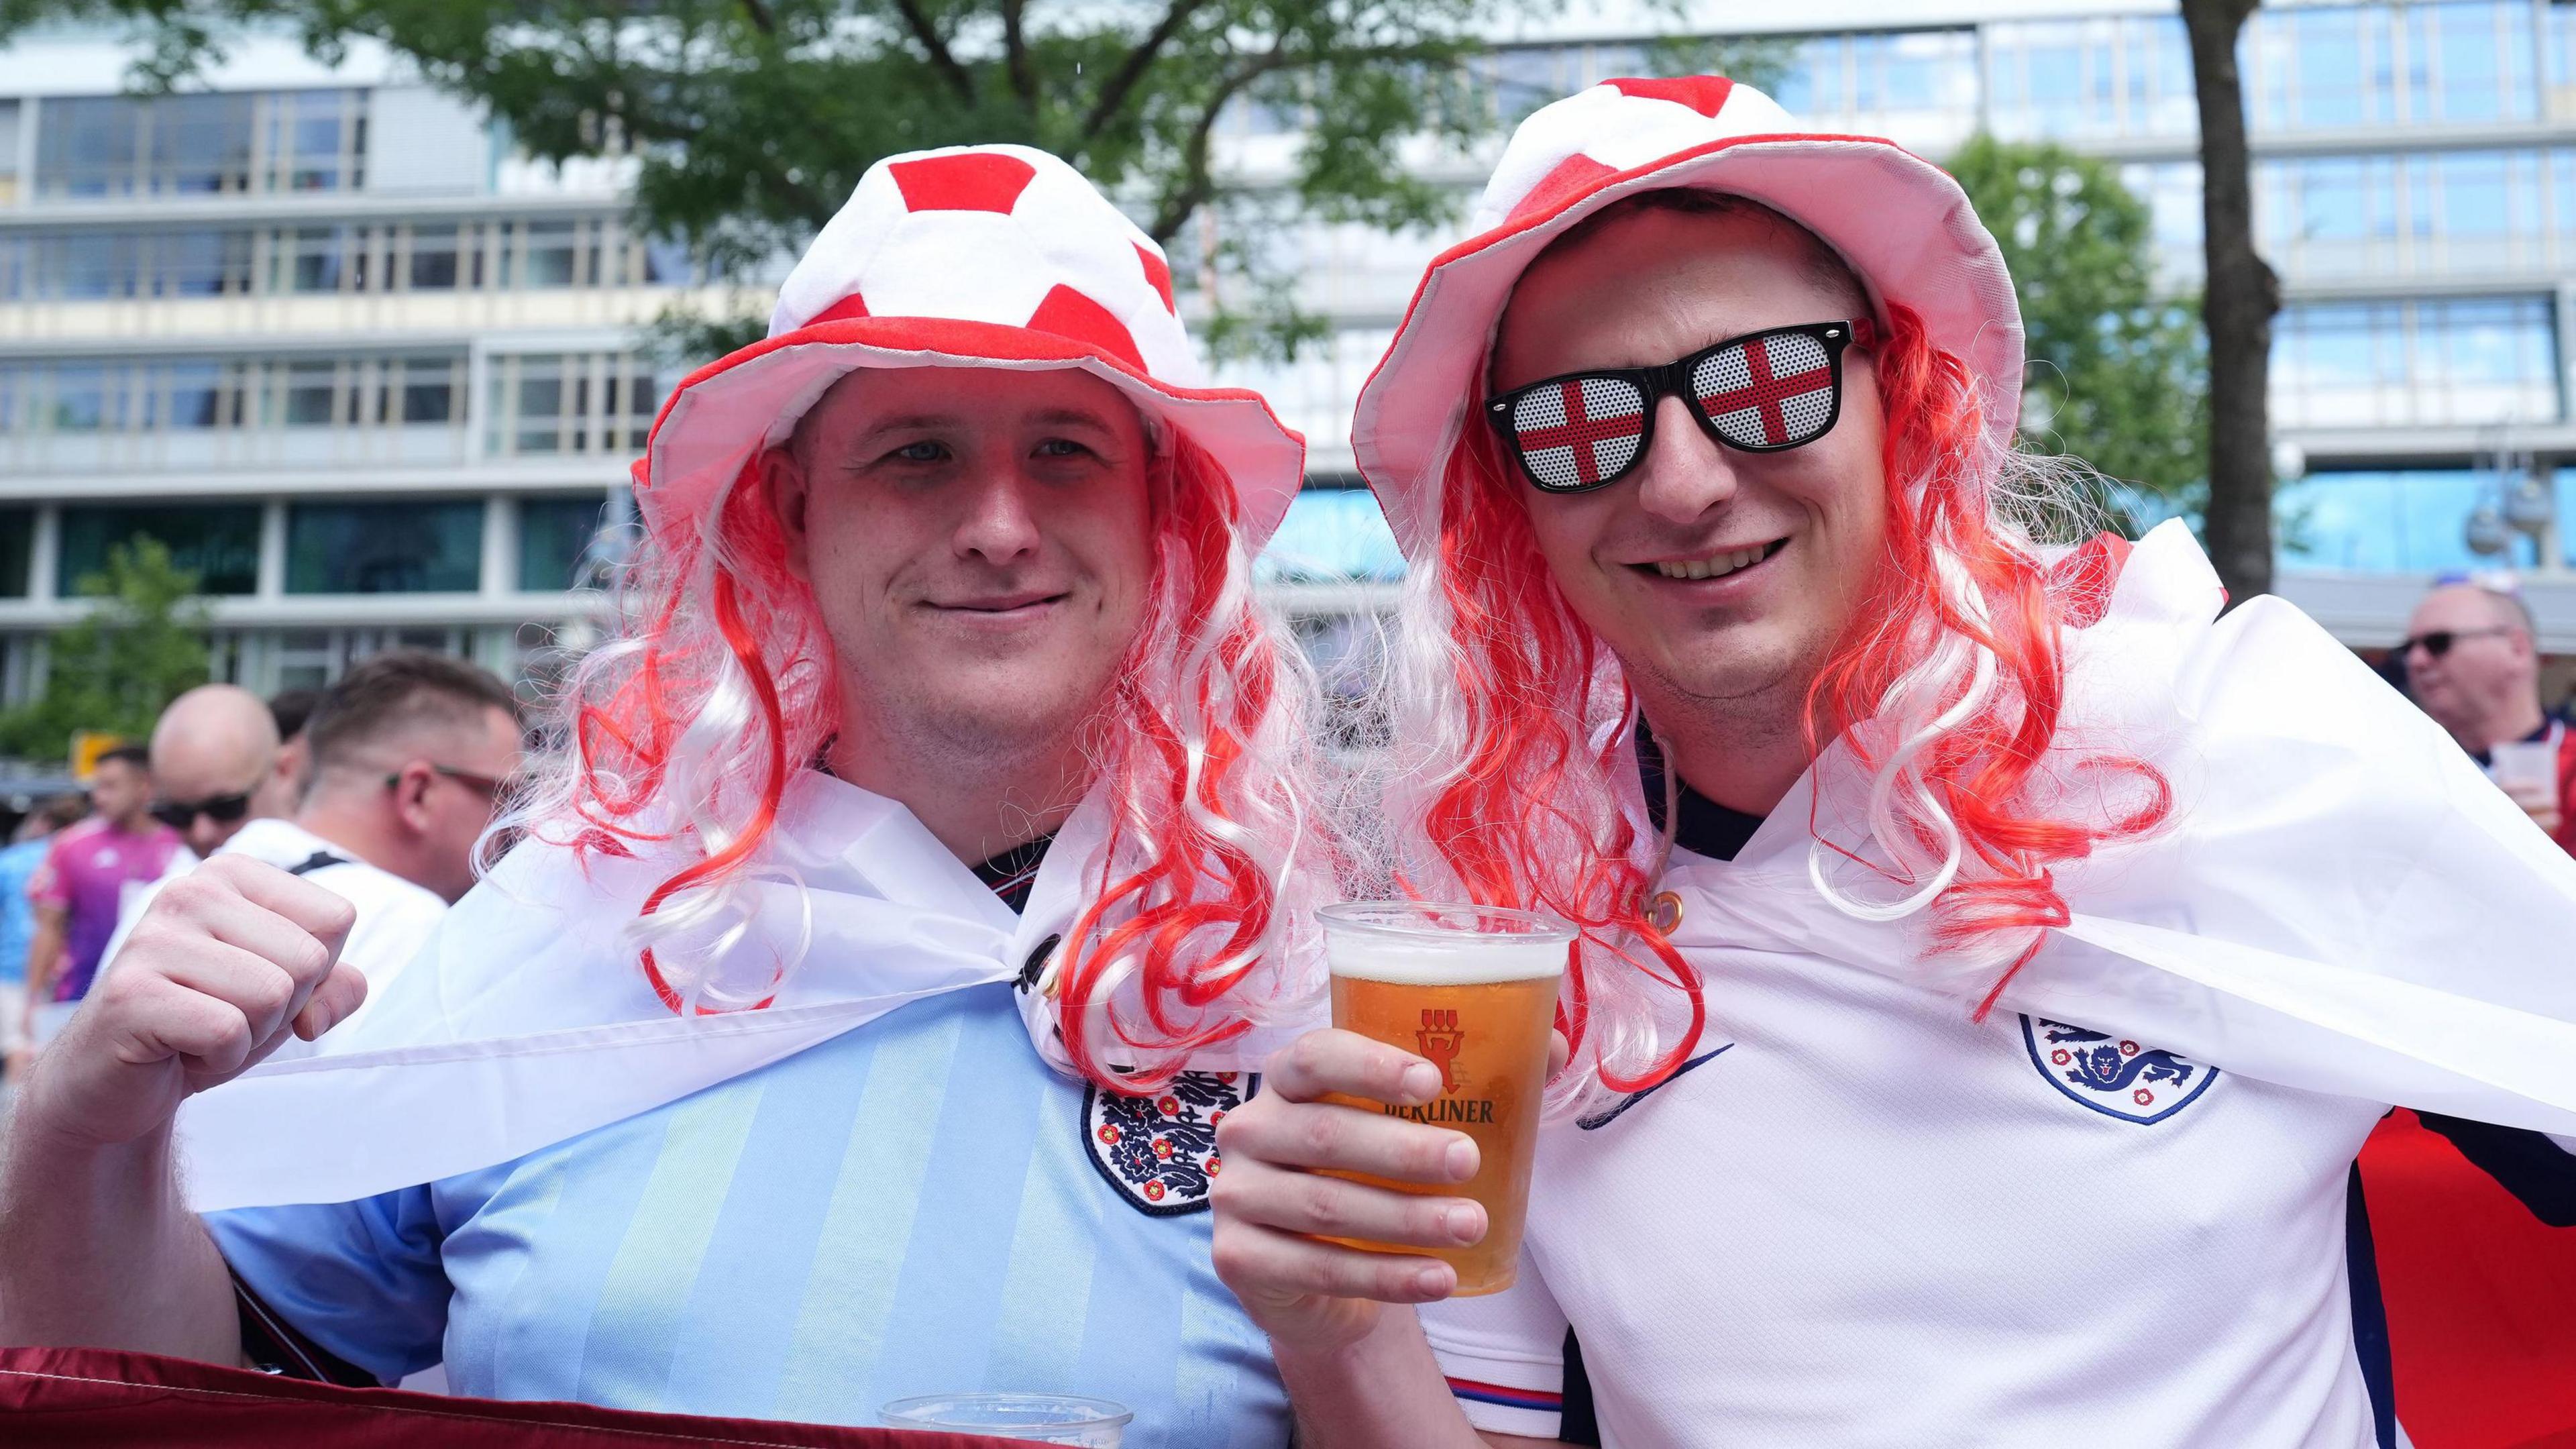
x,y
1472,990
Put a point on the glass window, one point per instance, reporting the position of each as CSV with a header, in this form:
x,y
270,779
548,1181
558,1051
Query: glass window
x,y
88,399
433,258
201,263
312,393
321,140
1331,535
548,255
13,390
428,391
643,402
201,143
430,546
88,146
314,263
2470,60
17,546
2333,85
2380,522
2331,199
2465,361
555,535
218,544
196,395
2476,195
537,405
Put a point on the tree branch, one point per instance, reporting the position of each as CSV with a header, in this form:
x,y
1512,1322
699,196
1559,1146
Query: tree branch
x,y
1015,57
1201,185
940,56
1113,96
761,19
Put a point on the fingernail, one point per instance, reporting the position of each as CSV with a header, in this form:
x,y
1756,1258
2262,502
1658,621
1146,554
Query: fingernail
x,y
1466,1222
1422,1081
1429,1282
1460,1159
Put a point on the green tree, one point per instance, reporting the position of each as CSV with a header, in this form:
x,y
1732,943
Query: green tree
x,y
2116,374
116,669
751,120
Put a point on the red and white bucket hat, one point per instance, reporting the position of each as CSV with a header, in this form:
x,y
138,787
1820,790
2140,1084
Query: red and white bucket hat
x,y
1900,222
974,256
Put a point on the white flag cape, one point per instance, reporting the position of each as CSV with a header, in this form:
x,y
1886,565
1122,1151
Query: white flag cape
x,y
526,1020
2342,902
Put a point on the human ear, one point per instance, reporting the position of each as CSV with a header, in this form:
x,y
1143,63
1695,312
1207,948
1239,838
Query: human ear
x,y
783,480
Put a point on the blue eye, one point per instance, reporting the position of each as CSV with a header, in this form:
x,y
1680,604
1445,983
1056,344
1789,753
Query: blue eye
x,y
921,452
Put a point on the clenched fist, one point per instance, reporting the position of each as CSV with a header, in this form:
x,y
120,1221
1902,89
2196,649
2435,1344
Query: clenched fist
x,y
229,959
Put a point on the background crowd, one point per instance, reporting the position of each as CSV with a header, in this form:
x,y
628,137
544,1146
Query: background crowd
x,y
377,787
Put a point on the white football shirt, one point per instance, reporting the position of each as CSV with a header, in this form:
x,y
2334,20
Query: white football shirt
x,y
1862,1219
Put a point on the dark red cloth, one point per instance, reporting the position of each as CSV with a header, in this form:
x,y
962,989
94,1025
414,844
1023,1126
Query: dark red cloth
x,y
2481,1298
2567,790
91,1397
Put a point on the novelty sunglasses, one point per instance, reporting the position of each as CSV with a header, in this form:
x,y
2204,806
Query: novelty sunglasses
x,y
1763,392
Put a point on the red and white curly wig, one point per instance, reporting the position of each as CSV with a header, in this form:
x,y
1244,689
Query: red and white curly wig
x,y
686,730
1516,779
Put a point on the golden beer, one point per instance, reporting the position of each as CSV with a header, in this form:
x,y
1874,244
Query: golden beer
x,y
1471,990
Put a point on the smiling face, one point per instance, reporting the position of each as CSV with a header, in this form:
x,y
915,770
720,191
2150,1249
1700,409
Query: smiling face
x,y
1716,575
980,544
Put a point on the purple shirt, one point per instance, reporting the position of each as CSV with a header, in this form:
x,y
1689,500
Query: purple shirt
x,y
85,873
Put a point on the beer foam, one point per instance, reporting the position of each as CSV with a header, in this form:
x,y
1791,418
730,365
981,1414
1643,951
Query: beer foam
x,y
1474,960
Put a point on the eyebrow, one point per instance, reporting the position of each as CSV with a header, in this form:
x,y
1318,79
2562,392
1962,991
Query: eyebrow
x,y
1054,417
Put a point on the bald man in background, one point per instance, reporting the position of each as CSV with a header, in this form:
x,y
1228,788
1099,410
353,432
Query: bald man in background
x,y
216,766
2473,663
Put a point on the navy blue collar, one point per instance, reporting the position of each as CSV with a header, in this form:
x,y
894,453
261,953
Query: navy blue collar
x,y
1707,828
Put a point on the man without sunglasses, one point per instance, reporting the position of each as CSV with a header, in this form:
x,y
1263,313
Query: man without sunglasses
x,y
1993,959
88,871
851,1021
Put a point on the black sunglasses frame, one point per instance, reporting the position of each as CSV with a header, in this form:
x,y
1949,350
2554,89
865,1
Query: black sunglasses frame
x,y
1673,380
180,814
2437,642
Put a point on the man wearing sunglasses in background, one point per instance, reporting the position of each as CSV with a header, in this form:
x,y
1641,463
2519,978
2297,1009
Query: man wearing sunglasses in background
x,y
2473,663
216,766
1992,959
83,882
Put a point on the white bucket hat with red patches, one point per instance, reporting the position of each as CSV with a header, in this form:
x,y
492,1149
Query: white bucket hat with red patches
x,y
1900,222
974,256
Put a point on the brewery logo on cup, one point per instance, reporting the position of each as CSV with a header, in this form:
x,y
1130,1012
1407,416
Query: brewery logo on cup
x,y
1440,1040
1159,1151
2112,1075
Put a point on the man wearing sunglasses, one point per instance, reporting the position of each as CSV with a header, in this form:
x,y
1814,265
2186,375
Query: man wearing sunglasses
x,y
2473,663
85,878
215,766
1991,959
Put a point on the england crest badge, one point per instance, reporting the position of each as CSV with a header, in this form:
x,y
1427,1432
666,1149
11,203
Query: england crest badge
x,y
2113,1075
1159,1151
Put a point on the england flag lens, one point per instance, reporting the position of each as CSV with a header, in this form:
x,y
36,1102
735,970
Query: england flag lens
x,y
1768,392
1580,432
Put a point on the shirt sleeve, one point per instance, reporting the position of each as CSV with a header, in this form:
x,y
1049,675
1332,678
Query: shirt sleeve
x,y
362,1279
48,887
1504,1355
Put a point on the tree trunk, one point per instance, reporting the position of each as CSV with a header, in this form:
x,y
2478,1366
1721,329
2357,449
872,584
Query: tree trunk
x,y
2236,307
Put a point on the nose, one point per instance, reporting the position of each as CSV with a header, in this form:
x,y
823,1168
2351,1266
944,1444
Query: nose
x,y
204,835
1000,525
1684,474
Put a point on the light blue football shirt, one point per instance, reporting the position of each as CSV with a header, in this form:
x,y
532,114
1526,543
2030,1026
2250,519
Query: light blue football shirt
x,y
906,1209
